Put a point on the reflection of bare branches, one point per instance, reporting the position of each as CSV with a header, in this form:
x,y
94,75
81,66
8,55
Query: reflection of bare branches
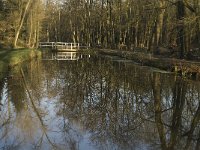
x,y
38,144
179,102
194,124
5,133
119,110
5,123
179,98
158,109
198,142
70,135
14,145
36,111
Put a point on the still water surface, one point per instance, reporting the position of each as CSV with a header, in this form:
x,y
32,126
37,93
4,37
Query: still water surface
x,y
97,103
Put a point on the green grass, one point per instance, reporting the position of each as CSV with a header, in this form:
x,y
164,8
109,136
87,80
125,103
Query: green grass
x,y
10,58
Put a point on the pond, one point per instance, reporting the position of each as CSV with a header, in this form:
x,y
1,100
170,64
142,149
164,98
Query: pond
x,y
96,102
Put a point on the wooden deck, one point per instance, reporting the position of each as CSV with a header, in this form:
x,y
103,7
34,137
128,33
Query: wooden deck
x,y
62,46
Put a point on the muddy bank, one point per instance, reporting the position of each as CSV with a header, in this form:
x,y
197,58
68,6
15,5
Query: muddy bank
x,y
181,66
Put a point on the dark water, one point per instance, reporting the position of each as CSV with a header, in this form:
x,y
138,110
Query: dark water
x,y
97,103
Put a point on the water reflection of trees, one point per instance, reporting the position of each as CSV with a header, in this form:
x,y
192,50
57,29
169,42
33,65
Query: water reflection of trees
x,y
119,105
107,100
22,112
130,106
176,126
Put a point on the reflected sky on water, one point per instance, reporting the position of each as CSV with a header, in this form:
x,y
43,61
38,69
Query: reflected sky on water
x,y
97,102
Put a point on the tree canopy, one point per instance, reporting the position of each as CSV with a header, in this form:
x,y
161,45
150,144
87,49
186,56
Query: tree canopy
x,y
116,24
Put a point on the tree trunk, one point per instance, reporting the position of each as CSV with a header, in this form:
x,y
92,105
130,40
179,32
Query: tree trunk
x,y
160,21
197,8
38,34
20,24
181,28
31,29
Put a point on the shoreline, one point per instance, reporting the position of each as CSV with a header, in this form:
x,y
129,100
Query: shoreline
x,y
181,66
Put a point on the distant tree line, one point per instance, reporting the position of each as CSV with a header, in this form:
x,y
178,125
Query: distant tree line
x,y
125,23
116,24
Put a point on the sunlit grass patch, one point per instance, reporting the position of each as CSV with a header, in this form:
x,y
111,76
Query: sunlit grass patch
x,y
13,57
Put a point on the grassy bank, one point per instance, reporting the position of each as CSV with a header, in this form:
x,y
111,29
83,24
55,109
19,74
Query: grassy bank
x,y
10,58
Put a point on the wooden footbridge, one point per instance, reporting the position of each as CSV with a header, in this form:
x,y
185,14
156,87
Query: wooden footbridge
x,y
62,46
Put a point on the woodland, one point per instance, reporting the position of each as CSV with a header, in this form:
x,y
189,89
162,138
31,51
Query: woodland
x,y
108,24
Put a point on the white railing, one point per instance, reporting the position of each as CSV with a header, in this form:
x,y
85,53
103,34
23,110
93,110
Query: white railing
x,y
47,45
62,46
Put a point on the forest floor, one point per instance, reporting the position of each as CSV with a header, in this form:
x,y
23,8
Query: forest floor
x,y
182,66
